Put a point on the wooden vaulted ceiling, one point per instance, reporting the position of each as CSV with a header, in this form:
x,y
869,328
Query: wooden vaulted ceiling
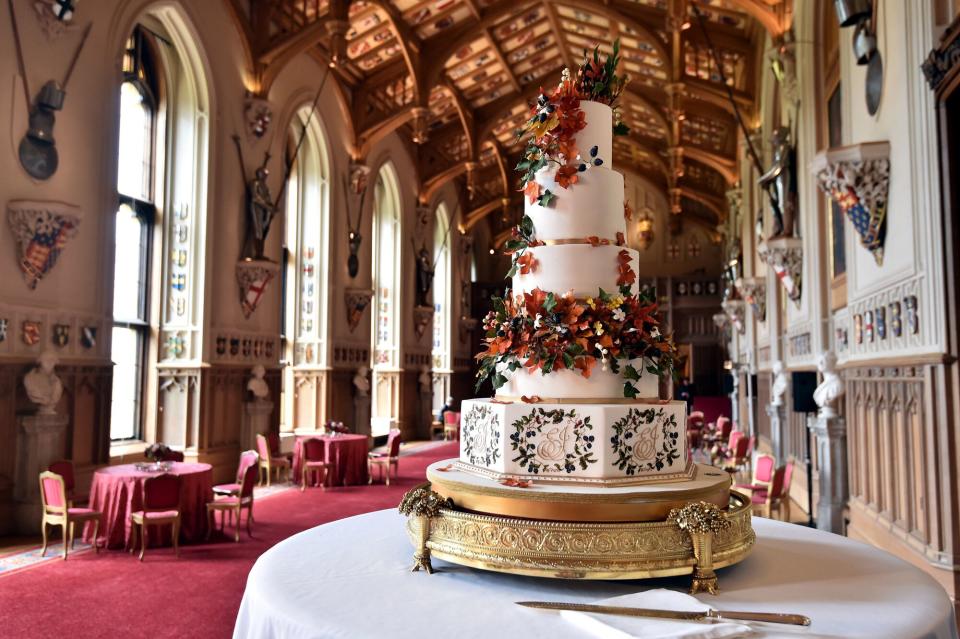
x,y
458,75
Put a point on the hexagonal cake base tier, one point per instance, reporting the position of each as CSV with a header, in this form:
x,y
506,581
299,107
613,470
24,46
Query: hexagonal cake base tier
x,y
607,444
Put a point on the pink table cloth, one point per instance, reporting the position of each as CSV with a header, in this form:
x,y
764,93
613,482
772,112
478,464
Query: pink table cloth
x,y
345,456
117,491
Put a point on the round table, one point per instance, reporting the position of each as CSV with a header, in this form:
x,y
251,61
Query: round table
x,y
345,456
351,578
117,491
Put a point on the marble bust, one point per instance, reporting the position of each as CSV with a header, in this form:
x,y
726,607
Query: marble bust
x,y
780,384
257,385
43,386
361,383
831,388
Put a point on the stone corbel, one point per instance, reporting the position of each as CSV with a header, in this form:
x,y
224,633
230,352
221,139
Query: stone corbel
x,y
754,292
253,276
857,178
736,311
785,256
355,300
422,315
420,125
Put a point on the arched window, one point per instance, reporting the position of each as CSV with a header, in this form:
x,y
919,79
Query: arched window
x,y
133,236
386,284
160,236
442,286
305,283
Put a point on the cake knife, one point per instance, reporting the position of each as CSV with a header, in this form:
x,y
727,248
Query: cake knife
x,y
705,615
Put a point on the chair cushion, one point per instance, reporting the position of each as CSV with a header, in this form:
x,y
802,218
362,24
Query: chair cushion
x,y
83,512
155,514
315,464
226,489
224,502
759,497
279,460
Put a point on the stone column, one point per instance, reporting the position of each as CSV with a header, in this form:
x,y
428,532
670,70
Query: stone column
x,y
830,433
778,418
42,440
255,421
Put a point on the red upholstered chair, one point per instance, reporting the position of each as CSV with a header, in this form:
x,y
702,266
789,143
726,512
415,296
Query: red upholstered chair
x,y
234,505
451,425
273,440
785,493
762,474
387,460
247,458
161,507
721,451
58,512
270,462
769,500
64,468
312,460
737,454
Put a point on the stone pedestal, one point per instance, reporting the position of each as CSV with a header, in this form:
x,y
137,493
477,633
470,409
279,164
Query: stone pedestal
x,y
41,441
830,434
778,420
255,421
361,414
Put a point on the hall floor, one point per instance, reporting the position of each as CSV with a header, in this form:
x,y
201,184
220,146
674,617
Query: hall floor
x,y
197,595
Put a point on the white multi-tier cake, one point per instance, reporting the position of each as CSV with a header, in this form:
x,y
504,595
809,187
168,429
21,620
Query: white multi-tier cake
x,y
564,417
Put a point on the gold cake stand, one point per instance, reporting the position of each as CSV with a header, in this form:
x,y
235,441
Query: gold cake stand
x,y
695,537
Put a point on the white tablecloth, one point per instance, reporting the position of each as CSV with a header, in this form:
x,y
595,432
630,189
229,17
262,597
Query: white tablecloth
x,y
352,578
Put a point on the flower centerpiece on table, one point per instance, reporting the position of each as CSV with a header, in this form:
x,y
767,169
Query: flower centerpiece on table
x,y
335,428
157,452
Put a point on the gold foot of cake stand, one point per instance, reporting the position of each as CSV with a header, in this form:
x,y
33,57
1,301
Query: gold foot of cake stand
x,y
695,538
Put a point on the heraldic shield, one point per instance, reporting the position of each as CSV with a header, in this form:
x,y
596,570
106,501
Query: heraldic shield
x,y
41,231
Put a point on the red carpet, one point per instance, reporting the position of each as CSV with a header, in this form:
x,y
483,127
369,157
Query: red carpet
x,y
197,595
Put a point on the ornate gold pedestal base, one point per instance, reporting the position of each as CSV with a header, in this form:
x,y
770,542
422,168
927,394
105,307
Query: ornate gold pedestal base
x,y
696,539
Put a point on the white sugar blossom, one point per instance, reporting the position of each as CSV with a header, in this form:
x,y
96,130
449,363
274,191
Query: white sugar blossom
x,y
655,332
619,315
538,321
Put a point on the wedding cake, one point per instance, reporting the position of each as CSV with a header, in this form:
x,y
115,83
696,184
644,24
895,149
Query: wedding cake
x,y
575,349
575,468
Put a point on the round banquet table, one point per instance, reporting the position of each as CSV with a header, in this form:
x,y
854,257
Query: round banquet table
x,y
117,491
351,578
345,456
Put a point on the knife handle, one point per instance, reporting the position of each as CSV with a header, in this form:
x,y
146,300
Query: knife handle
x,y
769,617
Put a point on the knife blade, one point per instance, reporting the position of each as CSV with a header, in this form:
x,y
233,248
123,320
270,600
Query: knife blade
x,y
706,615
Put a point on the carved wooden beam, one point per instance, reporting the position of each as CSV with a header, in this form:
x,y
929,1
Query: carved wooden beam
x,y
498,54
727,167
477,214
560,35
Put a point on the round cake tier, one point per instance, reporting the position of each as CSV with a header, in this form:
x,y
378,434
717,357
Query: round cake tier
x,y
597,133
581,268
609,444
553,502
570,385
591,207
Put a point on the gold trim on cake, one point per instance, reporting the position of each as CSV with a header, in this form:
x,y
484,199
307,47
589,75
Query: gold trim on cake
x,y
598,505
539,399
